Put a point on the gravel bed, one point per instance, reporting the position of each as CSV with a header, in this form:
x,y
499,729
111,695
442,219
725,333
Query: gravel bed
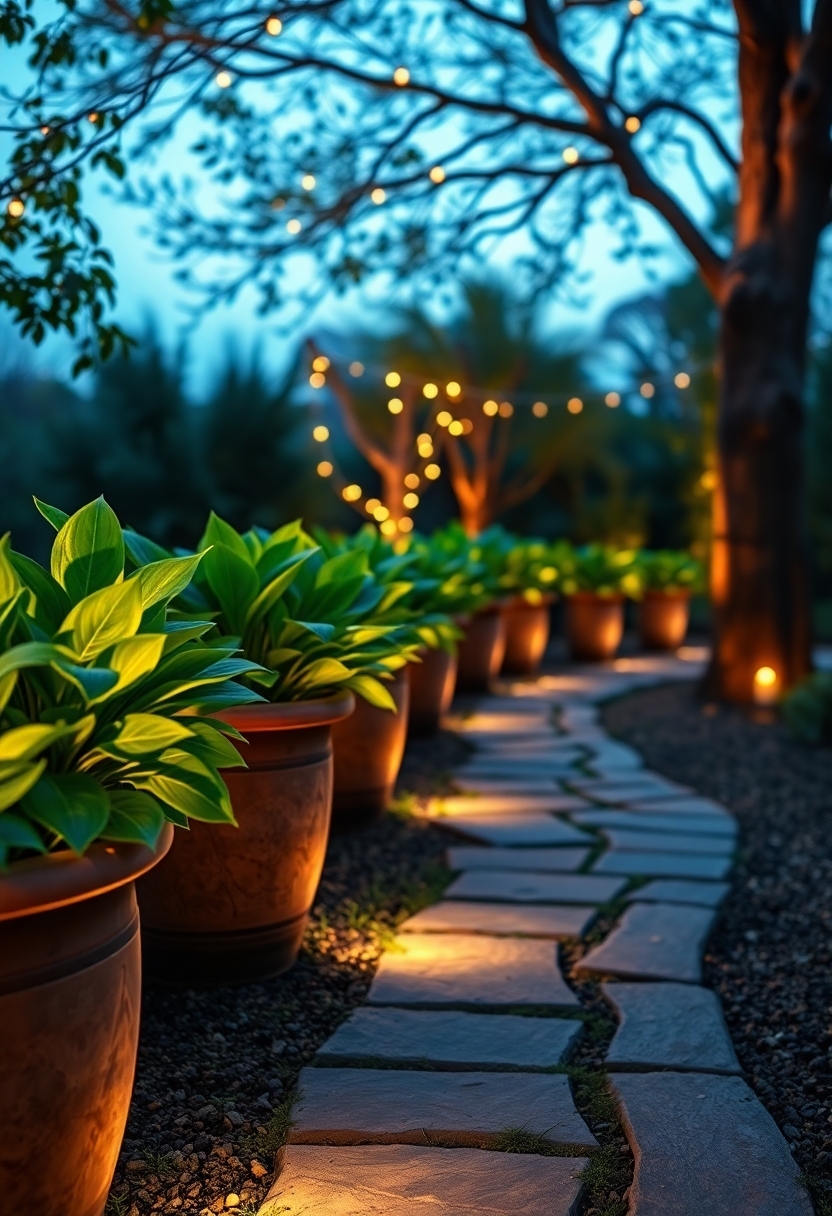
x,y
214,1067
769,956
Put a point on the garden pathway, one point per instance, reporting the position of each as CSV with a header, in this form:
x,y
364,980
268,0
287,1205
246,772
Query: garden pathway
x,y
470,1022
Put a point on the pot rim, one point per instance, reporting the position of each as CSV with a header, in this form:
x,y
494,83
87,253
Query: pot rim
x,y
41,884
616,597
263,716
547,598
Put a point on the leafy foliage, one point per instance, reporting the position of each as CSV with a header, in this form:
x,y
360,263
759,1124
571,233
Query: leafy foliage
x,y
807,710
667,570
104,731
598,568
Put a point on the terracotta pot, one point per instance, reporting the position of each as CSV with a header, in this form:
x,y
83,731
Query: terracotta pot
x,y
229,905
594,625
663,619
527,635
481,650
368,754
432,684
70,988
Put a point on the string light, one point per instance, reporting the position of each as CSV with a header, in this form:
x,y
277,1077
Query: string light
x,y
320,434
636,7
490,408
371,504
320,363
392,379
467,426
273,26
356,369
430,391
223,81
395,405
437,175
93,118
455,428
351,493
443,418
574,405
540,409
317,379
612,400
379,196
45,130
405,524
632,124
647,390
453,388
432,472
380,513
401,77
324,469
294,227
388,528
548,574
308,181
506,409
16,208
411,501
570,155
412,480
682,380
425,449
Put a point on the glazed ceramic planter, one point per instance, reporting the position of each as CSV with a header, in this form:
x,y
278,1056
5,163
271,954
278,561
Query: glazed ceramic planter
x,y
594,625
481,650
369,747
663,619
70,989
432,684
527,635
229,905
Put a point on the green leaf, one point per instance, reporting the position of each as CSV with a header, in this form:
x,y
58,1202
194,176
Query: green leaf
x,y
72,805
16,780
16,833
162,581
33,654
144,734
234,582
187,785
218,532
323,672
134,818
273,590
104,618
9,582
92,682
26,742
134,658
7,687
372,690
88,553
51,601
53,515
212,747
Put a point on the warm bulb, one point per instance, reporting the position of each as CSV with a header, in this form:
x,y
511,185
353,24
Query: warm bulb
x,y
412,481
648,390
321,434
294,227
273,26
437,175
381,513
432,472
453,389
632,124
540,409
388,527
682,380
395,405
411,501
406,524
430,391
320,363
401,77
570,155
455,427
490,408
223,80
378,196
392,379
317,379
351,493
308,182
16,208
425,450
444,418
612,400
766,686
356,369
506,409
324,469
574,405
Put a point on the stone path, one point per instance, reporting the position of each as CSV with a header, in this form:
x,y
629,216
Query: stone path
x,y
463,1047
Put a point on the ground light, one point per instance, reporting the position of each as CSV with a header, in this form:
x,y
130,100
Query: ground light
x,y
766,686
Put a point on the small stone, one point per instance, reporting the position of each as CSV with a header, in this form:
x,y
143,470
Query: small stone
x,y
136,1165
234,1118
278,1047
258,1170
232,1200
653,941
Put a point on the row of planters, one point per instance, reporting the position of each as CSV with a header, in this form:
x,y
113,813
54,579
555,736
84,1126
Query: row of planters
x,y
175,730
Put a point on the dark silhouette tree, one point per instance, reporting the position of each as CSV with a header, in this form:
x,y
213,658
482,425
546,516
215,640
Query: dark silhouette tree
x,y
380,134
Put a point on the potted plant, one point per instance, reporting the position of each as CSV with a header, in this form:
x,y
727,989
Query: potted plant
x,y
594,580
97,761
307,619
667,579
481,649
528,579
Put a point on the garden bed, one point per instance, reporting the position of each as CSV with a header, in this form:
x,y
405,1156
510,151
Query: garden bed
x,y
769,957
213,1067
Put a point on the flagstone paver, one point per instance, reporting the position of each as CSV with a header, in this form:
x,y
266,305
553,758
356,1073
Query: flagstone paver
x,y
402,1179
517,830
653,941
531,887
705,1146
478,857
680,805
669,1026
471,971
682,891
663,865
625,841
621,792
447,1039
526,920
398,1106
706,825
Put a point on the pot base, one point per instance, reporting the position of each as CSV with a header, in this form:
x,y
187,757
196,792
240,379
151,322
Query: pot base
x,y
355,809
221,959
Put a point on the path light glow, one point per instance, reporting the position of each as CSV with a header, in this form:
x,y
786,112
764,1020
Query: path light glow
x,y
437,175
612,400
766,686
320,363
273,26
324,469
320,434
401,77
